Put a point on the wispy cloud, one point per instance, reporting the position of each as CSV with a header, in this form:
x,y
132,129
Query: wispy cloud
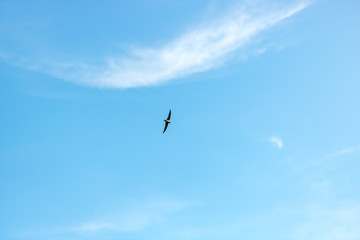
x,y
320,223
132,220
313,221
341,152
143,216
197,50
321,187
95,226
276,141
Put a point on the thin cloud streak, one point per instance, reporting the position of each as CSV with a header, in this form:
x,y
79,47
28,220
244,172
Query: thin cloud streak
x,y
313,221
95,226
198,50
341,152
321,223
135,220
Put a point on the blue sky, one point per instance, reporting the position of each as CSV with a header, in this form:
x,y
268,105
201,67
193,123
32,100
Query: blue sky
x,y
264,139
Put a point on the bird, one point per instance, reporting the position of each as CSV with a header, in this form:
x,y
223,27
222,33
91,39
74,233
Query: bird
x,y
167,121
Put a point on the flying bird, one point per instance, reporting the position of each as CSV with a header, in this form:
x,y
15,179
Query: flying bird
x,y
167,121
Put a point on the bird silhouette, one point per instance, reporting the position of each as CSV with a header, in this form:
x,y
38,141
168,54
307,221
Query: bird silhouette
x,y
167,121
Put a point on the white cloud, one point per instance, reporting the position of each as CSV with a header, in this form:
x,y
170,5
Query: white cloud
x,y
132,218
321,223
321,187
342,152
276,141
129,221
95,226
313,221
194,51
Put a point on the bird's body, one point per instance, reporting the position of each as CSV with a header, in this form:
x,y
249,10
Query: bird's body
x,y
167,121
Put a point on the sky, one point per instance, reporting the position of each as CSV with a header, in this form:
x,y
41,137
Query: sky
x,y
264,141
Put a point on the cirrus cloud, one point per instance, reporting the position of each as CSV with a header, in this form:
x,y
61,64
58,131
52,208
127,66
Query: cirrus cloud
x,y
200,49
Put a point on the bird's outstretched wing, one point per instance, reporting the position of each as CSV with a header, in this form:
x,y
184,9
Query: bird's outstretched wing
x,y
166,124
169,115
